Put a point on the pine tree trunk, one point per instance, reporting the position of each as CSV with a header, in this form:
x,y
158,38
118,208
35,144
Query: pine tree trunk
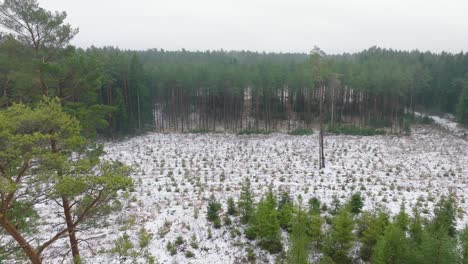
x,y
71,230
32,254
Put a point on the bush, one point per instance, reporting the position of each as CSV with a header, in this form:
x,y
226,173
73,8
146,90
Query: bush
x,y
354,130
144,238
189,254
171,248
301,132
179,241
251,255
123,246
426,120
254,132
227,220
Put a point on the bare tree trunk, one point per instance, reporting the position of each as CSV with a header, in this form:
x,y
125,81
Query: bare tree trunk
x,y
321,152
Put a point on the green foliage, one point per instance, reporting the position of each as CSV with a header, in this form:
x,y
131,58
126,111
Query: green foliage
x,y
445,216
462,105
299,250
314,230
402,219
437,247
426,120
393,248
265,224
464,246
245,203
37,146
254,132
356,203
340,238
416,228
231,206
335,205
179,241
371,228
285,211
301,132
92,118
213,212
194,243
23,216
380,123
251,257
144,238
123,247
354,130
189,254
171,248
314,206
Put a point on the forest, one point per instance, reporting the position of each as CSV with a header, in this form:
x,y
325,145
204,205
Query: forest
x,y
115,91
62,107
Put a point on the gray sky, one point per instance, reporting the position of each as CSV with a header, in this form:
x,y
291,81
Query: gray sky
x,y
336,26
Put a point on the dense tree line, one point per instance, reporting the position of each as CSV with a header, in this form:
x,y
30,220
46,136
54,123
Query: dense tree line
x,y
122,91
344,233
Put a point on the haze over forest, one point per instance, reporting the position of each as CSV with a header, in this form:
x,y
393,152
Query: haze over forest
x,y
336,26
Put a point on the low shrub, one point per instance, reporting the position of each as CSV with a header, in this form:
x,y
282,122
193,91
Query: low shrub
x,y
301,132
254,132
354,130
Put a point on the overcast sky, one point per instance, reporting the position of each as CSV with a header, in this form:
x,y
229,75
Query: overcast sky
x,y
335,26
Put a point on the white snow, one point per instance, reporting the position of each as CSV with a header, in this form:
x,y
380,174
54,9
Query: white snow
x,y
178,173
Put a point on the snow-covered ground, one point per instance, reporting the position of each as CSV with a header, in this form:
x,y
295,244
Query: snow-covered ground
x,y
179,172
448,124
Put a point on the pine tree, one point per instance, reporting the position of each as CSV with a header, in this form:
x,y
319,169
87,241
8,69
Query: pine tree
x,y
213,212
341,238
265,224
299,251
335,205
392,248
402,218
314,230
245,203
44,140
416,227
356,203
445,216
314,206
437,247
232,210
285,211
371,230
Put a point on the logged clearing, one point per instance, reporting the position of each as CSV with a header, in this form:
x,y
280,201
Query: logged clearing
x,y
177,173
